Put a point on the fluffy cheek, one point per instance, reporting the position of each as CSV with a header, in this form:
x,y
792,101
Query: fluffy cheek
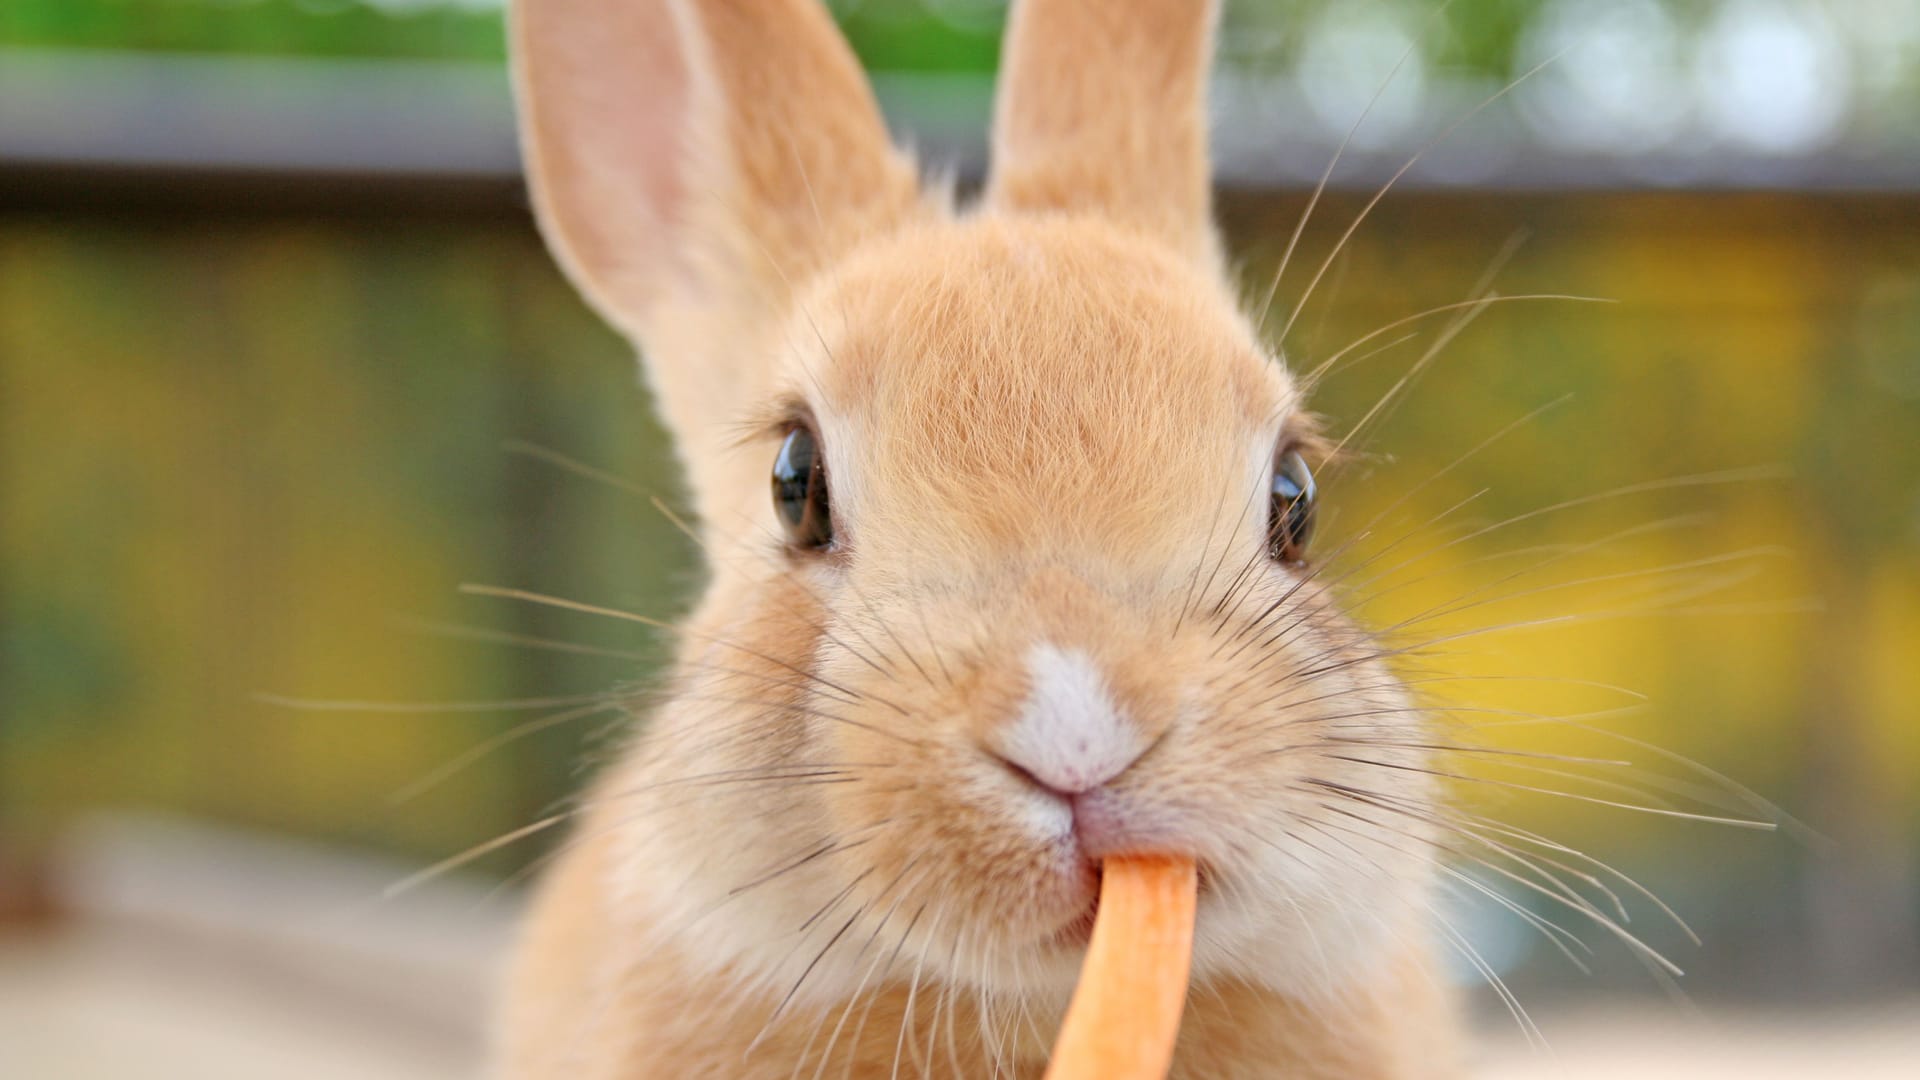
x,y
729,853
977,870
1315,820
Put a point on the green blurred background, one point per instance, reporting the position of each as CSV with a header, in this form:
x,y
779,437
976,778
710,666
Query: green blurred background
x,y
267,400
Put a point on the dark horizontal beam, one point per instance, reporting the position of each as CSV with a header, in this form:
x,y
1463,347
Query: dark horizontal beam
x,y
116,120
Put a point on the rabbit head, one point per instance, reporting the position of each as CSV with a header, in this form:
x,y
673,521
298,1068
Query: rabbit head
x,y
1007,510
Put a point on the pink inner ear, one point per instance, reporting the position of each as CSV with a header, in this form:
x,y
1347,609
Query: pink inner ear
x,y
607,96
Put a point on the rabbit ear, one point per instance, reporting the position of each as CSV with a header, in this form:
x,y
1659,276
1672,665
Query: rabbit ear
x,y
690,162
1102,108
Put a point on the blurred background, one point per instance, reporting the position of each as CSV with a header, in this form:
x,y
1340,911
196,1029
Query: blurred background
x,y
282,365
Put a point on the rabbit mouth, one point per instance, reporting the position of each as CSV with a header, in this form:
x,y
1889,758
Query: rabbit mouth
x,y
1077,932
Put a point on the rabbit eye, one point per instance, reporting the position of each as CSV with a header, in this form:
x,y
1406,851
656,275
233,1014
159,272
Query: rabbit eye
x,y
800,491
1290,517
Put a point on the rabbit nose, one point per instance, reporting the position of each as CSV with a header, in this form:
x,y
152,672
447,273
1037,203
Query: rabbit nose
x,y
1068,735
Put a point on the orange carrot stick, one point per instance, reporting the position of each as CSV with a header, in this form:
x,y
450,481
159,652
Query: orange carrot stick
x,y
1126,1010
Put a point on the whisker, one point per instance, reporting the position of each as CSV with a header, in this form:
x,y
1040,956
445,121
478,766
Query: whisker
x,y
558,460
448,865
1319,188
429,707
616,613
1300,305
1566,897
500,637
1683,815
453,766
1328,366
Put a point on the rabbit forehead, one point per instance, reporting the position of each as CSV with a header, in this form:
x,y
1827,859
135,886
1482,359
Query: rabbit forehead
x,y
1000,382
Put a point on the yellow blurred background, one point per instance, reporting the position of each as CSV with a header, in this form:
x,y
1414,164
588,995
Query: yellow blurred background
x,y
259,420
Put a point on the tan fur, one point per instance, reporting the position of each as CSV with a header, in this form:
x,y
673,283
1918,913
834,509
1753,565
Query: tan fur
x,y
1124,133
1045,422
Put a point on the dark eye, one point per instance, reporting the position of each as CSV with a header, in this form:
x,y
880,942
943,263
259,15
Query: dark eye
x,y
800,491
1290,520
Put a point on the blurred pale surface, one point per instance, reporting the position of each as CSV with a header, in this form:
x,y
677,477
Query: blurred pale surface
x,y
104,1004
100,1003
209,952
1868,1044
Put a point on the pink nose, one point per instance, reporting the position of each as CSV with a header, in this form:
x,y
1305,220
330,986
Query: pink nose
x,y
1068,734
1106,821
1067,775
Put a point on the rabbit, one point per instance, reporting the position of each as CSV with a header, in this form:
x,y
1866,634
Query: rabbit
x,y
1008,515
